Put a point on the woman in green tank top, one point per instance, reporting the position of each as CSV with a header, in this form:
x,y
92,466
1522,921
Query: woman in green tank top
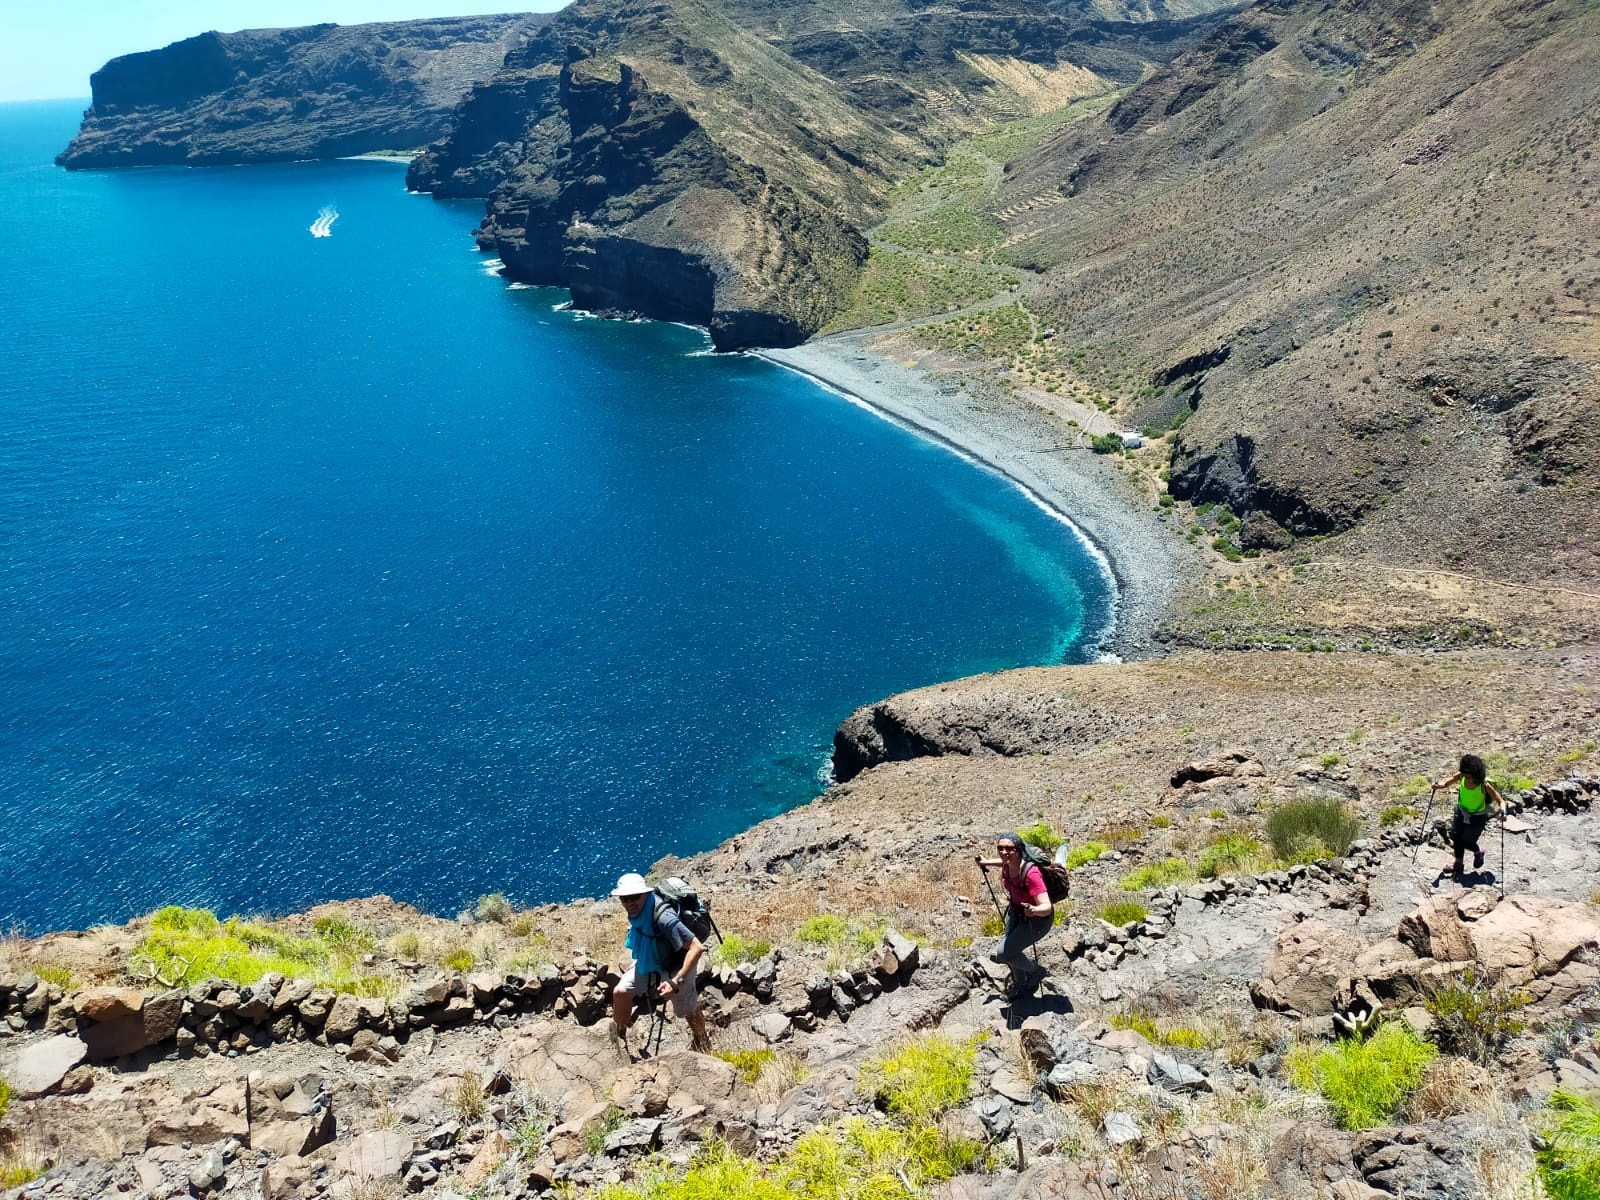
x,y
1476,800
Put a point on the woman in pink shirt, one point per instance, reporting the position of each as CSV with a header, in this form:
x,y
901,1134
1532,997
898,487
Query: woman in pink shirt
x,y
1029,913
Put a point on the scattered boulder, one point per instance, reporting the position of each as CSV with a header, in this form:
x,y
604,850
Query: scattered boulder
x,y
1528,938
289,1117
1120,1128
212,1114
41,1067
1303,972
378,1155
1171,1075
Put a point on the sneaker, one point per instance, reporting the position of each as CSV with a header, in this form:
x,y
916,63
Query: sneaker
x,y
1477,860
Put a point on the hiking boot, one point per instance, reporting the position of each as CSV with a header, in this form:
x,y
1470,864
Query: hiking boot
x,y
1477,860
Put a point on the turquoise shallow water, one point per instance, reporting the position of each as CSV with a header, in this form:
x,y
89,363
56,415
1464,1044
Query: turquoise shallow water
x,y
331,566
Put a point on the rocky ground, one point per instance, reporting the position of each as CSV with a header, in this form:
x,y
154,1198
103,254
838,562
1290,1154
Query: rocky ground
x,y
1151,1062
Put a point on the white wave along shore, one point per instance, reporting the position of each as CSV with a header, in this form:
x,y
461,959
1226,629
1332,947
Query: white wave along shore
x,y
323,225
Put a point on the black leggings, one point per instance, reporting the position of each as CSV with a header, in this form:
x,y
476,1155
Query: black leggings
x,y
1466,828
1022,931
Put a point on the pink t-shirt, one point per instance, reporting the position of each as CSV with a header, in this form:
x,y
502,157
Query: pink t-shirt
x,y
1028,892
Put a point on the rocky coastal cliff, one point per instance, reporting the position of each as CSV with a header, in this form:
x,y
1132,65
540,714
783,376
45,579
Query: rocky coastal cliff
x,y
273,95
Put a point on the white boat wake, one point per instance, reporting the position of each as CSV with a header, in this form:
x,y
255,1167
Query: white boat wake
x,y
323,225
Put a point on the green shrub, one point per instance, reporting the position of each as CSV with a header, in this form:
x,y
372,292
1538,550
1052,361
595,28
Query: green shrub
x,y
1474,1018
5,1098
921,1079
460,959
1364,1080
493,907
1166,873
1123,912
992,925
1398,814
1306,830
1508,774
1088,852
1569,1163
748,1063
734,949
1106,443
1042,836
1230,854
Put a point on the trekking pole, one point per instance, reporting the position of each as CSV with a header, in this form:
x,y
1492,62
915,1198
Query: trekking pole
x,y
992,896
1422,834
1502,850
658,1015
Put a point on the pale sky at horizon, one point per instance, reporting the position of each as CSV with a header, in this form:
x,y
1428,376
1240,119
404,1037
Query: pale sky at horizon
x,y
49,48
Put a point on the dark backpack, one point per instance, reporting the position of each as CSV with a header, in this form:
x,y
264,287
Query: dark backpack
x,y
676,896
1057,879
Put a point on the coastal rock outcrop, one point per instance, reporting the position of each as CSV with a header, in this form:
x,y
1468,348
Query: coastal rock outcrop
x,y
273,95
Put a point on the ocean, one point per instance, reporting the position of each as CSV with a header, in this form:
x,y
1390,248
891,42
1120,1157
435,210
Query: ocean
x,y
333,565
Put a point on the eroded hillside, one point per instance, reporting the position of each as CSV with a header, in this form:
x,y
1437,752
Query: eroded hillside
x,y
716,162
1353,250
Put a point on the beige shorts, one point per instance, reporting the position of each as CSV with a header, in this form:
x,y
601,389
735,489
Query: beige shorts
x,y
684,999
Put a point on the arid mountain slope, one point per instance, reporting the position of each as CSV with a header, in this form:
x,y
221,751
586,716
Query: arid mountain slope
x,y
266,95
1356,248
715,162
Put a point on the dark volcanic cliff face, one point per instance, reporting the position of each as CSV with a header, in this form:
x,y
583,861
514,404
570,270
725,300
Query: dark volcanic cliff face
x,y
267,95
714,161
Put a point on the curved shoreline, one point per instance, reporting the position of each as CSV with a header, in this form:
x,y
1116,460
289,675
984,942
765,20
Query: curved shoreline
x,y
1034,451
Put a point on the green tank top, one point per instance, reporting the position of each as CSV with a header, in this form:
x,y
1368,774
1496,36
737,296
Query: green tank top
x,y
1472,799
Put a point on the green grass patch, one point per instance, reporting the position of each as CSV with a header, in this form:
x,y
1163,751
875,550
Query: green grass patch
x,y
1311,829
734,949
1398,814
1087,853
992,925
748,1063
897,286
1003,333
845,939
14,1172
1137,1023
849,1159
1230,854
1569,1162
1166,873
1365,1081
1123,912
921,1079
1411,789
5,1098
57,974
1042,836
188,945
1577,754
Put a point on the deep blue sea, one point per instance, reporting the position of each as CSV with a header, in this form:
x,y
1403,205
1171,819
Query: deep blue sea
x,y
331,566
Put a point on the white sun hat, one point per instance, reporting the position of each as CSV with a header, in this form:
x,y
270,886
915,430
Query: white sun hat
x,y
631,884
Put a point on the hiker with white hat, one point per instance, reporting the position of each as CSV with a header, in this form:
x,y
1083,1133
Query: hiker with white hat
x,y
664,954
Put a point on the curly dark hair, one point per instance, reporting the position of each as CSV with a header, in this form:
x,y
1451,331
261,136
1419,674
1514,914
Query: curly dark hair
x,y
1472,768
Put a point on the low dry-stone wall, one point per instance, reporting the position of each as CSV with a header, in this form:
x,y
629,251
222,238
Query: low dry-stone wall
x,y
107,1024
1338,883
